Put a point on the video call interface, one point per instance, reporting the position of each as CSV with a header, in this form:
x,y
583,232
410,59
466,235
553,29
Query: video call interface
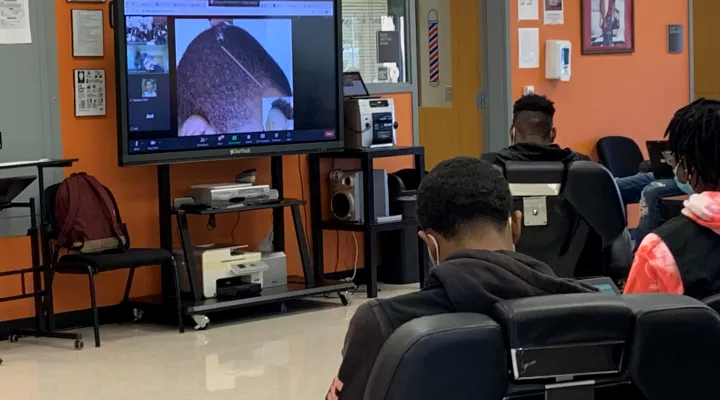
x,y
227,73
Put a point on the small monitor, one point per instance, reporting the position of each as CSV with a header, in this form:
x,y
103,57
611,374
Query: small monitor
x,y
353,85
603,285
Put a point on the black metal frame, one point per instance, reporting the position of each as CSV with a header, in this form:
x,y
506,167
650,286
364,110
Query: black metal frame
x,y
369,227
314,282
40,255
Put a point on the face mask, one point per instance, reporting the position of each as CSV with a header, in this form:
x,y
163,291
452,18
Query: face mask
x,y
685,187
435,261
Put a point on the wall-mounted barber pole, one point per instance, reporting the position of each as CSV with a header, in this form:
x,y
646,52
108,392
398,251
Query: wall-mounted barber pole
x,y
434,47
435,53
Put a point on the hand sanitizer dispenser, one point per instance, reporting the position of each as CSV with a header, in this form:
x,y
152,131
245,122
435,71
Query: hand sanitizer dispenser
x,y
557,59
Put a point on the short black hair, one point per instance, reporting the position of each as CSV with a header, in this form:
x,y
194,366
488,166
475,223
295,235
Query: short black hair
x,y
210,83
284,107
533,116
694,138
462,192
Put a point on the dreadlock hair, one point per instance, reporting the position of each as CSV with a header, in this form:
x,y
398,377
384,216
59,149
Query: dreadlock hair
x,y
694,138
533,116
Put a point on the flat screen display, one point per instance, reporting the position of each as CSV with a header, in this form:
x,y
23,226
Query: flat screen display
x,y
202,79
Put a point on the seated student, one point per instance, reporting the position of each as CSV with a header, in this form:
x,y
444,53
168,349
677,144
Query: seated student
x,y
465,211
683,255
532,135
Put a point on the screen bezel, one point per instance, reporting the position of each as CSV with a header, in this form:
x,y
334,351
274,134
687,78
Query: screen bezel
x,y
128,159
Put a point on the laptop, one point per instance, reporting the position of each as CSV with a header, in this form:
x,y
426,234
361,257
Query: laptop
x,y
10,188
354,85
660,158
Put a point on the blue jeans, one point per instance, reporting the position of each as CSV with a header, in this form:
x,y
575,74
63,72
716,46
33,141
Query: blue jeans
x,y
643,188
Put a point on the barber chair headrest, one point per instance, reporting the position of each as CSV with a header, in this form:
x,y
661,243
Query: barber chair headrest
x,y
431,358
554,337
533,178
676,347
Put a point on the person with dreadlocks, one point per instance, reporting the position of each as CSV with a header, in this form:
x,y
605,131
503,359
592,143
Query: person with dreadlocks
x,y
683,255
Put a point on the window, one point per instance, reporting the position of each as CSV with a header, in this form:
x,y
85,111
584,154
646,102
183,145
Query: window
x,y
374,39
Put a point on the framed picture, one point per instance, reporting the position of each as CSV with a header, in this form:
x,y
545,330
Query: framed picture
x,y
608,26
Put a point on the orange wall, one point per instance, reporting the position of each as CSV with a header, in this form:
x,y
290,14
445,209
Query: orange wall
x,y
93,141
633,95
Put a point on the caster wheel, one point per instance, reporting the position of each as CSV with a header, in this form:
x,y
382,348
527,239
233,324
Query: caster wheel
x,y
345,298
79,345
283,308
137,314
14,338
201,322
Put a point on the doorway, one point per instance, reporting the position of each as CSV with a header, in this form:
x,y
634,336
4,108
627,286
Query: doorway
x,y
704,49
464,107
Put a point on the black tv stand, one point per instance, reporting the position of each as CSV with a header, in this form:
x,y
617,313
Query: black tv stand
x,y
311,284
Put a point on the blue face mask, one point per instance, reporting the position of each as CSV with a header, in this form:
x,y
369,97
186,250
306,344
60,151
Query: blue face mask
x,y
685,187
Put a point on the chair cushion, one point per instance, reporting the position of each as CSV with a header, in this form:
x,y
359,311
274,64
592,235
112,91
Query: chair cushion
x,y
109,261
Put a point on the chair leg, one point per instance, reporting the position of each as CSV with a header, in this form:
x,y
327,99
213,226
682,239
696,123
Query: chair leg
x,y
178,300
93,304
128,285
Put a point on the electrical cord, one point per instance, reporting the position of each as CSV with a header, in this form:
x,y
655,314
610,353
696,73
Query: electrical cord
x,y
232,232
337,250
357,254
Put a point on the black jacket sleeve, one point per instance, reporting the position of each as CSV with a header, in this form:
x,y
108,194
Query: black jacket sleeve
x,y
490,158
364,339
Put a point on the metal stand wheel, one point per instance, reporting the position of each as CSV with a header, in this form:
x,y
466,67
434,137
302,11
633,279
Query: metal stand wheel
x,y
345,297
14,338
201,321
79,345
137,314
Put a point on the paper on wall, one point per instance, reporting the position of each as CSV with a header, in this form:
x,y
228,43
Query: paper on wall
x,y
87,33
15,22
529,47
89,92
553,12
528,10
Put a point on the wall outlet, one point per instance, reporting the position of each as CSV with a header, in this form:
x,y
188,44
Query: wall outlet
x,y
448,94
528,90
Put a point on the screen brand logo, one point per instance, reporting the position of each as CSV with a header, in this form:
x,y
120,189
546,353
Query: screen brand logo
x,y
235,152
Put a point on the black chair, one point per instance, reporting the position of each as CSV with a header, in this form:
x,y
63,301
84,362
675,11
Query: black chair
x,y
713,302
646,347
619,154
573,217
96,263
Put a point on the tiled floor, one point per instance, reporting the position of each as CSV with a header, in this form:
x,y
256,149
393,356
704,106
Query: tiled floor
x,y
292,356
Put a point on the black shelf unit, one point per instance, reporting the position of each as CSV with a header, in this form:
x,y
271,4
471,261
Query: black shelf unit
x,y
368,227
194,304
42,275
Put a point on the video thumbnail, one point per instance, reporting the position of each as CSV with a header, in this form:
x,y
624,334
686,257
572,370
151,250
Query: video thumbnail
x,y
147,30
278,114
229,73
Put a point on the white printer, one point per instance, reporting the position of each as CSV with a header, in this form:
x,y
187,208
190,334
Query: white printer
x,y
224,266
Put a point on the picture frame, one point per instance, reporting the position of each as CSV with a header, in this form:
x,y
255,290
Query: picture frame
x,y
619,37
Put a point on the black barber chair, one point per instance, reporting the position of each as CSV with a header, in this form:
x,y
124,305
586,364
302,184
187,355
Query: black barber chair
x,y
579,347
573,217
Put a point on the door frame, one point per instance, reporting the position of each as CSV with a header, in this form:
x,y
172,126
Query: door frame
x,y
691,48
496,76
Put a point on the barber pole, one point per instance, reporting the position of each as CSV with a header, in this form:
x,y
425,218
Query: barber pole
x,y
434,48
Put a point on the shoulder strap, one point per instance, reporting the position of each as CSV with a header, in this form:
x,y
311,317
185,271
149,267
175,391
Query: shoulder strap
x,y
72,208
102,192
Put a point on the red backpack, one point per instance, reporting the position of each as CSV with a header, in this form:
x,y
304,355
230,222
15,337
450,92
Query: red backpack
x,y
87,216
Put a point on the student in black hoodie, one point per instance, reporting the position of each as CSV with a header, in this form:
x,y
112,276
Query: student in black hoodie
x,y
532,135
465,211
